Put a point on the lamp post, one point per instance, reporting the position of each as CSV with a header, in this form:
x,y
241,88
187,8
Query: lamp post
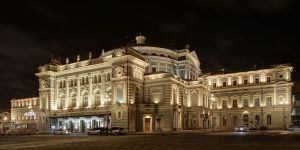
x,y
283,103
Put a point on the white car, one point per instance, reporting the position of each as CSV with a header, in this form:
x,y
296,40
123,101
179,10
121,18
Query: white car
x,y
60,132
95,131
241,128
117,131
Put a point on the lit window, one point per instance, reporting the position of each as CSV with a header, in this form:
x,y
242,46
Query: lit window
x,y
85,101
97,99
73,100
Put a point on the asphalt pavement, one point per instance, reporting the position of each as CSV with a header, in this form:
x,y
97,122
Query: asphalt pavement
x,y
267,140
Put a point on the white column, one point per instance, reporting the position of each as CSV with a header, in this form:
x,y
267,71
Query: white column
x,y
67,99
200,97
78,92
275,96
91,100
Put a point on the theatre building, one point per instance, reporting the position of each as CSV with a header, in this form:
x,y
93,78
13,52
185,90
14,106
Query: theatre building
x,y
152,89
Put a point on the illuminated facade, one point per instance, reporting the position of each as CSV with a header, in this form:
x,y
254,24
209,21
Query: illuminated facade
x,y
151,89
4,119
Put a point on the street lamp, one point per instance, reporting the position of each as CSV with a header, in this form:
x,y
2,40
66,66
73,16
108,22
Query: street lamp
x,y
283,103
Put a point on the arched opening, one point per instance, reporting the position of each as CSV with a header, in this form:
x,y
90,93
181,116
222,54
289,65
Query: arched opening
x,y
73,101
62,102
269,120
194,99
257,120
246,120
97,99
162,55
234,120
85,100
224,121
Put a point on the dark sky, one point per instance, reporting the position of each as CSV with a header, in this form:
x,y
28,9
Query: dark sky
x,y
229,34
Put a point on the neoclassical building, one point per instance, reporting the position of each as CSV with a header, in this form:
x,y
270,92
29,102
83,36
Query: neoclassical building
x,y
151,89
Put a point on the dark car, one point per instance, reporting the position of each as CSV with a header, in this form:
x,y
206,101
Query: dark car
x,y
117,131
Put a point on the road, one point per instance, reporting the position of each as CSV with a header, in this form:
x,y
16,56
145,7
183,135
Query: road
x,y
191,141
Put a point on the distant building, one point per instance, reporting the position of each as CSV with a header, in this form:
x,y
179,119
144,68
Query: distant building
x,y
27,111
4,119
151,89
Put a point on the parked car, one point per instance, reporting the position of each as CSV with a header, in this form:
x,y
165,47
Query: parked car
x,y
95,131
241,128
61,132
293,128
117,131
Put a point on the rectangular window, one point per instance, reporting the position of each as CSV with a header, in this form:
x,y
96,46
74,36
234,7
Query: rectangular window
x,y
256,81
224,104
269,101
234,103
214,85
245,82
246,103
224,84
256,102
268,79
234,83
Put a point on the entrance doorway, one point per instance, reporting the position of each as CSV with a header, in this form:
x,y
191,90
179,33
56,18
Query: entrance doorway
x,y
147,123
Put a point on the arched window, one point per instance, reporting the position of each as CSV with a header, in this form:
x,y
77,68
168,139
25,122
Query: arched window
x,y
224,121
82,81
87,80
235,120
99,78
75,82
62,102
97,99
85,100
269,120
73,101
246,120
194,99
257,120
95,79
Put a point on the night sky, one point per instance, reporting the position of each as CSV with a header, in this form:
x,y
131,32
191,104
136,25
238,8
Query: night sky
x,y
229,34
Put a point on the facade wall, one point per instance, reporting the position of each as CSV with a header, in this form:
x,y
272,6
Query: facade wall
x,y
152,89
